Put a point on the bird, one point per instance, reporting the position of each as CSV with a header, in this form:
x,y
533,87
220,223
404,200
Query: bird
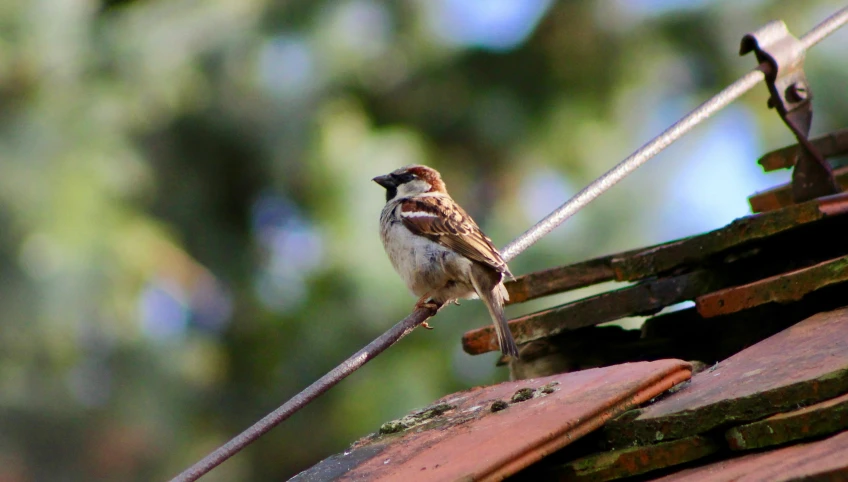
x,y
438,250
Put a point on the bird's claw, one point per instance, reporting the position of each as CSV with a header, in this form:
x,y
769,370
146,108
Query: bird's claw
x,y
427,304
426,325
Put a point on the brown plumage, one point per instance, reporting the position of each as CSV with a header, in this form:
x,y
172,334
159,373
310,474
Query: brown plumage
x,y
453,228
437,248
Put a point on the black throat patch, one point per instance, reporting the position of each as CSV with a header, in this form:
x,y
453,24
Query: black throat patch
x,y
391,192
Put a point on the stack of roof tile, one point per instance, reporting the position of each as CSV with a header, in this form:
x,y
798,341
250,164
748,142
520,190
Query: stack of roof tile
x,y
789,388
753,268
767,340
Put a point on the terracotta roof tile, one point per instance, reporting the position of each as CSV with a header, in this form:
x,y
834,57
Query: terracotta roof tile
x,y
461,437
781,288
814,421
669,256
781,196
803,364
831,144
630,461
823,460
646,297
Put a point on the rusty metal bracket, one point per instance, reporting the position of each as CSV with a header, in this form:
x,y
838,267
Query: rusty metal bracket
x,y
781,58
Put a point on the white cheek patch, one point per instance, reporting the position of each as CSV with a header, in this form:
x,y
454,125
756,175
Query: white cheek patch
x,y
412,188
418,214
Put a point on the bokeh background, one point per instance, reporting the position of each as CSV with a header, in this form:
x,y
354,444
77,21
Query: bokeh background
x,y
188,230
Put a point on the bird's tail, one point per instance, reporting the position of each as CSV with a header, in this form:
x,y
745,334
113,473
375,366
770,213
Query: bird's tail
x,y
494,300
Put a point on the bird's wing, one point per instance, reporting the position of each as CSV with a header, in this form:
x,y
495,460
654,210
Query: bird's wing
x,y
442,220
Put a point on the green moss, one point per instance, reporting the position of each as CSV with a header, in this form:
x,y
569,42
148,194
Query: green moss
x,y
415,418
523,394
549,388
393,426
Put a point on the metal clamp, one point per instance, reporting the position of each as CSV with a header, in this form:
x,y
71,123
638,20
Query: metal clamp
x,y
781,58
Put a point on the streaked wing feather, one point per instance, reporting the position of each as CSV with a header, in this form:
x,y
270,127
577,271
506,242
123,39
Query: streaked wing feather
x,y
443,221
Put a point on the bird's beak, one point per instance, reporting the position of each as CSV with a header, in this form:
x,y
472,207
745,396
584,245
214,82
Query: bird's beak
x,y
386,181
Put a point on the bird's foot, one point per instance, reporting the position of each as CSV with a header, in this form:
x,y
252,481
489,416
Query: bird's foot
x,y
426,325
427,303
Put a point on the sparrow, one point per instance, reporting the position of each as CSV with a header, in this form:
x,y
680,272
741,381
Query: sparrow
x,y
438,250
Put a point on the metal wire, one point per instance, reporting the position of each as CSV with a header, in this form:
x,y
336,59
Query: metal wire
x,y
825,28
656,145
628,165
328,381
523,242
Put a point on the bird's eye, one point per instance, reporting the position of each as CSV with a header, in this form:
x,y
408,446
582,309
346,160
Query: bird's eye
x,y
406,177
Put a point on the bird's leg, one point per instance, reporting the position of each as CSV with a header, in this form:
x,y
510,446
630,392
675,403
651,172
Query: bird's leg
x,y
427,303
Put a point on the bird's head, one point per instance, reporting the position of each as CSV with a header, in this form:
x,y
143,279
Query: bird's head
x,y
410,181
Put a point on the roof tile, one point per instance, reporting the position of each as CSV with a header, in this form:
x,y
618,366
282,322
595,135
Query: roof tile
x,y
803,364
823,460
632,460
814,421
466,439
781,288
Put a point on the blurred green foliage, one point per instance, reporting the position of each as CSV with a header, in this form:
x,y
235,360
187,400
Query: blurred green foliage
x,y
188,231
